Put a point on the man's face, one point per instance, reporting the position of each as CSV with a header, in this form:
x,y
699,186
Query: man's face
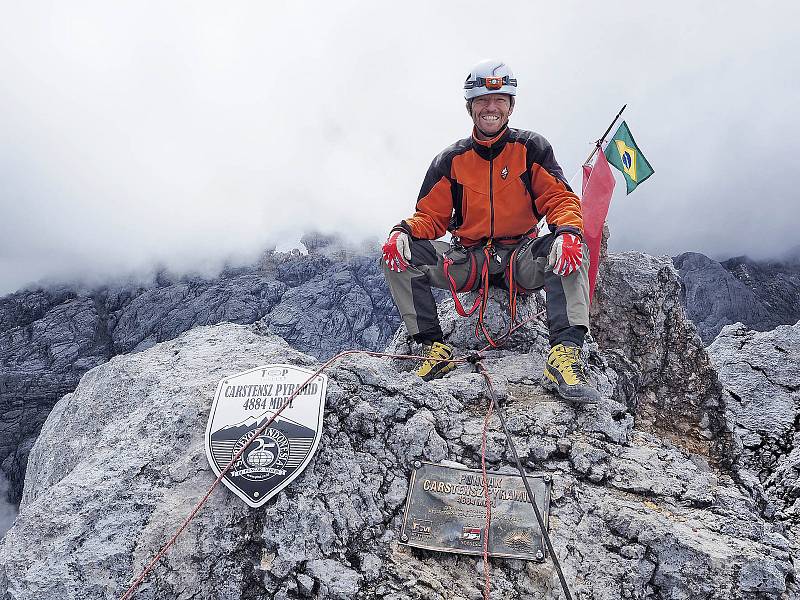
x,y
490,113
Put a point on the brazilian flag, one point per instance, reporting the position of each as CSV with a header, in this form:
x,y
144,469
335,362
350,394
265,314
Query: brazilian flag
x,y
624,154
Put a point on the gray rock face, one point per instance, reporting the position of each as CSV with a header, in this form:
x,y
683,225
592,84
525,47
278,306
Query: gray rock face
x,y
47,341
760,373
120,462
760,294
345,305
320,303
333,299
637,313
775,283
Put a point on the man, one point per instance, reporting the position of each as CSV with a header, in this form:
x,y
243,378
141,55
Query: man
x,y
490,190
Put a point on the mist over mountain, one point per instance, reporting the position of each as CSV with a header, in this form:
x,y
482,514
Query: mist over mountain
x,y
331,299
760,294
7,510
681,478
328,300
133,139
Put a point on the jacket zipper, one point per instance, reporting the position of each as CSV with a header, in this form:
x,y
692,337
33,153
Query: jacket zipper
x,y
491,193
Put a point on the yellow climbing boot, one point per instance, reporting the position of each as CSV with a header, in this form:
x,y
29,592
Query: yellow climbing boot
x,y
434,367
564,374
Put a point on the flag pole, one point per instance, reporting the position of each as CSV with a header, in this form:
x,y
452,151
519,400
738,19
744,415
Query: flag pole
x,y
603,139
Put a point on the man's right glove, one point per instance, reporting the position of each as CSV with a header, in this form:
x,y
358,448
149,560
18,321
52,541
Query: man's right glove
x,y
397,251
566,255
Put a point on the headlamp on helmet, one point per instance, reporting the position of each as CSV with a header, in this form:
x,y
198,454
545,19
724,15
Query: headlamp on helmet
x,y
490,77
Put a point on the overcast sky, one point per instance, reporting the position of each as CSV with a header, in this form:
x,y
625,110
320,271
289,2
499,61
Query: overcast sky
x,y
187,134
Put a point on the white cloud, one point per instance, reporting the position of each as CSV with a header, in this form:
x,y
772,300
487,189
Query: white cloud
x,y
186,134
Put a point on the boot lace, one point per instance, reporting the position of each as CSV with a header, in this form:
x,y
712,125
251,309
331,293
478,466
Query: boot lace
x,y
569,359
434,353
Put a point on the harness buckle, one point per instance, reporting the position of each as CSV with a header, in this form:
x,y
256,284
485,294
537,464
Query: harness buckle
x,y
455,244
491,250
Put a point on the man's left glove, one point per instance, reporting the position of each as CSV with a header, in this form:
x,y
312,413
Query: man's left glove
x,y
566,255
397,251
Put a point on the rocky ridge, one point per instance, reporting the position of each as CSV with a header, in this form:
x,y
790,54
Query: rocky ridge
x,y
760,294
332,299
644,504
761,377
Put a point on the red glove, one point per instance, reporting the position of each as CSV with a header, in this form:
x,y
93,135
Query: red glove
x,y
397,251
566,255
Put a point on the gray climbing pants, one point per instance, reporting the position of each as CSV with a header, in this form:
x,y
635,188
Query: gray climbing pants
x,y
567,298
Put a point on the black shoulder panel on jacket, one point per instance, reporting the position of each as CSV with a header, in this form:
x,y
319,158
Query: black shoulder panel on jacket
x,y
441,165
539,151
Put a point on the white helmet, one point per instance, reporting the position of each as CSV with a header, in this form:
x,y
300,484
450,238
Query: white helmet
x,y
490,77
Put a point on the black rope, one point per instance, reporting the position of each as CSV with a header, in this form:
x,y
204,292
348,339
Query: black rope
x,y
482,370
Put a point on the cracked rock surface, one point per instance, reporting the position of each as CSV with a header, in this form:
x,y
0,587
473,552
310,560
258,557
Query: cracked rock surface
x,y
634,514
672,388
760,373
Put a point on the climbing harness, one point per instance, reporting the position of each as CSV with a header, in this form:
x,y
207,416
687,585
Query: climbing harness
x,y
482,298
474,359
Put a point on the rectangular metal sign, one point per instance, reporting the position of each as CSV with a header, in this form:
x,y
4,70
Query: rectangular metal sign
x,y
446,511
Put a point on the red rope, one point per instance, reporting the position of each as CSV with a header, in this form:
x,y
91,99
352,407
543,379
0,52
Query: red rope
x,y
487,582
482,299
470,281
151,565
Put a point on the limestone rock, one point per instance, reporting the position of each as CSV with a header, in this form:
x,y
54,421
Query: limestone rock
x,y
120,462
637,311
49,338
760,373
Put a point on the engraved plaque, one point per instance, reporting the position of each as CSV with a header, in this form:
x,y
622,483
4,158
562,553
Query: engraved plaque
x,y
446,511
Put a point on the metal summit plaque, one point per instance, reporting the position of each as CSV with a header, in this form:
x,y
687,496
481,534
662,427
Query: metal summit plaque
x,y
243,403
446,511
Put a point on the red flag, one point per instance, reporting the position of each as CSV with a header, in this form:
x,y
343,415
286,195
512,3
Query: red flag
x,y
598,185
